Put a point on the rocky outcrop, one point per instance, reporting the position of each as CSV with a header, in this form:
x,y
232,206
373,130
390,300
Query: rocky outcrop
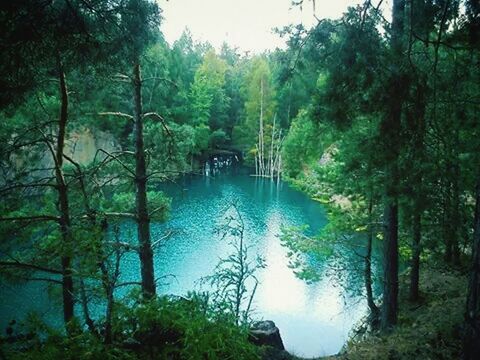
x,y
265,333
83,145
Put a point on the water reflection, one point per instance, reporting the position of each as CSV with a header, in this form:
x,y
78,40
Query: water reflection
x,y
313,319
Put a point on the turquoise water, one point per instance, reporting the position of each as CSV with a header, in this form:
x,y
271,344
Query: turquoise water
x,y
314,319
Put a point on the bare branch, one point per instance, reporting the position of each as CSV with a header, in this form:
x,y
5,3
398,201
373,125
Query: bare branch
x,y
162,120
120,215
116,158
164,237
19,264
24,186
113,113
30,218
129,283
161,79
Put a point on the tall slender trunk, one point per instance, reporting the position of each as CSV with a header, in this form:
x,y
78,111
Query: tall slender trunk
x,y
452,214
143,219
391,131
390,286
368,265
418,145
109,287
271,148
63,203
457,217
415,271
472,316
86,312
447,221
260,132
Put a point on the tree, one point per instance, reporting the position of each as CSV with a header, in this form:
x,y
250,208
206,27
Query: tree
x,y
472,314
140,25
54,38
390,132
259,113
234,279
208,98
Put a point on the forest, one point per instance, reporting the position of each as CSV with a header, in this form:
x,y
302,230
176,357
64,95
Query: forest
x,y
132,169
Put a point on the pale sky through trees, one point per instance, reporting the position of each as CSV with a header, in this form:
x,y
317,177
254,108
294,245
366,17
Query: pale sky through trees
x,y
246,24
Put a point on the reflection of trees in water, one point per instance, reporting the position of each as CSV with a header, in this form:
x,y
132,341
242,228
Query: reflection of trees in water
x,y
338,258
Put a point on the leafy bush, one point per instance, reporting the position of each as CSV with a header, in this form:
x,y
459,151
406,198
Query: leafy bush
x,y
185,328
166,327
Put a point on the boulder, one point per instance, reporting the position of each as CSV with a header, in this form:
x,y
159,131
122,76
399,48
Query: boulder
x,y
265,333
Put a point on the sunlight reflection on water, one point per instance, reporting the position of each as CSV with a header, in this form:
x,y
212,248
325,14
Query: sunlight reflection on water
x,y
314,319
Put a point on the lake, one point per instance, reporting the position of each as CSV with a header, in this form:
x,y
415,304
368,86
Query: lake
x,y
314,319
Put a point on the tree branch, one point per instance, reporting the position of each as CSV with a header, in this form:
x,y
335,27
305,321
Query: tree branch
x,y
120,114
162,120
19,264
121,215
30,218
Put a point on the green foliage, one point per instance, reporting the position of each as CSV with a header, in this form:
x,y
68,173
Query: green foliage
x,y
332,93
185,328
158,204
208,98
259,92
218,138
301,146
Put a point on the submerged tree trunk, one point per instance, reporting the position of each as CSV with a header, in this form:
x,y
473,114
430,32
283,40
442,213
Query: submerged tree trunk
x,y
143,219
271,166
472,316
63,203
261,161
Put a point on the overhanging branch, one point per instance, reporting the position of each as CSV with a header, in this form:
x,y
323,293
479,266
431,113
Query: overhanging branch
x,y
120,114
22,265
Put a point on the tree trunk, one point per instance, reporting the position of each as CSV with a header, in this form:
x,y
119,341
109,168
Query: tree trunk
x,y
457,216
415,270
447,223
86,312
109,315
63,203
418,132
390,128
452,219
472,316
271,148
143,219
260,133
368,266
390,286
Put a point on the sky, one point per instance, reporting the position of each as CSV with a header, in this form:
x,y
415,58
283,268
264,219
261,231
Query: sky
x,y
246,24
